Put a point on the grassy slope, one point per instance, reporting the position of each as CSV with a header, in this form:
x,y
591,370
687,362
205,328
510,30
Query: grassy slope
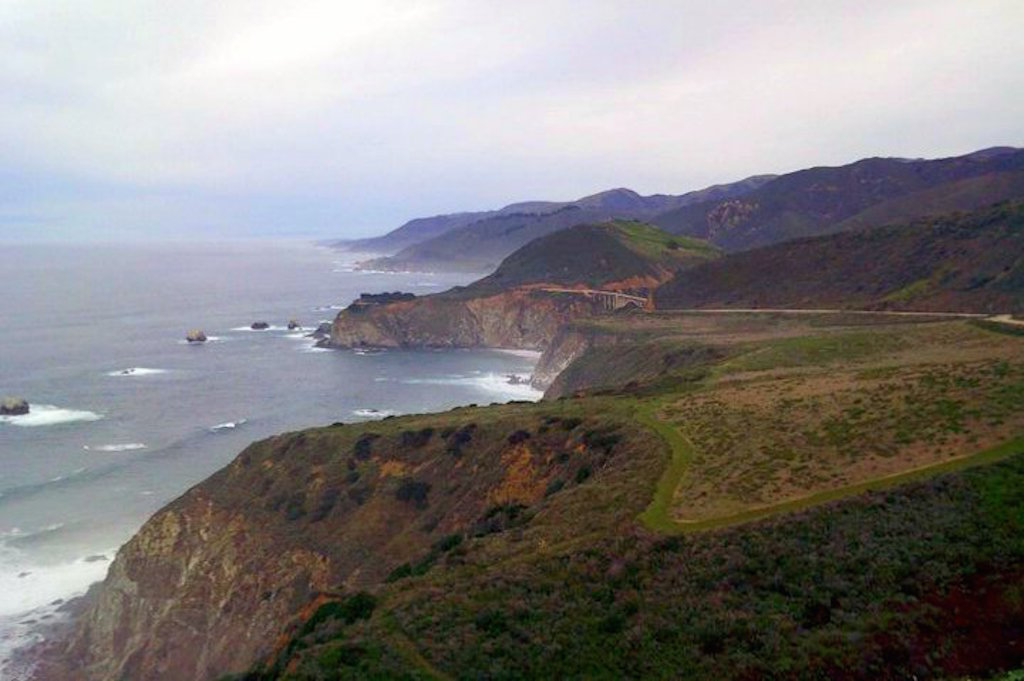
x,y
854,580
965,262
595,255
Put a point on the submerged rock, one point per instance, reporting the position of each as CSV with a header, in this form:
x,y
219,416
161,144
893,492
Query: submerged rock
x,y
259,326
196,336
516,379
293,324
14,406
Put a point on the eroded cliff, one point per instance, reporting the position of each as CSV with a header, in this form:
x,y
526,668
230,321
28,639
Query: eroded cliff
x,y
210,583
522,318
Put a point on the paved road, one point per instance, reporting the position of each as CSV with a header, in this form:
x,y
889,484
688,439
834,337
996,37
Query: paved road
x,y
1000,318
893,313
1007,319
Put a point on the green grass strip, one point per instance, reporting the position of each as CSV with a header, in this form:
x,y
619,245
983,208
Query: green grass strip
x,y
658,517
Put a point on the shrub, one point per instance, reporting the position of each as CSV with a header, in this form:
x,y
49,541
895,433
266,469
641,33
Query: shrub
x,y
364,446
413,490
571,423
416,438
554,487
447,543
460,438
328,500
518,437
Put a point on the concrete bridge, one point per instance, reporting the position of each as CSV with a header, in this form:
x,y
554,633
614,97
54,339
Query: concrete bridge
x,y
609,300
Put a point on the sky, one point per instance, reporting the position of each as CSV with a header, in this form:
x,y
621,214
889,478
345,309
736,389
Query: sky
x,y
194,119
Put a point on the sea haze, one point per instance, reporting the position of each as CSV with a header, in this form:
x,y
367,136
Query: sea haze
x,y
126,415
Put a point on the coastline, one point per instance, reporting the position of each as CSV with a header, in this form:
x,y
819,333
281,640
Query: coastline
x,y
216,382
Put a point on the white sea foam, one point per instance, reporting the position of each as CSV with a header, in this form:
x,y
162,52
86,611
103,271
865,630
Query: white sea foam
x,y
127,447
272,327
530,354
50,415
137,371
31,593
498,384
229,425
209,339
25,586
373,413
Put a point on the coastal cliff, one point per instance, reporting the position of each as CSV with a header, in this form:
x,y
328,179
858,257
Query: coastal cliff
x,y
536,292
522,318
210,584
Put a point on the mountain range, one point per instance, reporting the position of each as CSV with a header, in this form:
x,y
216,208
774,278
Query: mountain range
x,y
757,211
480,242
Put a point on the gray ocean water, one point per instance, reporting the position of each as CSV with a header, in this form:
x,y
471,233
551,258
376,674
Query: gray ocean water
x,y
127,415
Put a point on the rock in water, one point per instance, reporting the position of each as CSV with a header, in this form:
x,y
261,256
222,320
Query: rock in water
x,y
259,326
196,336
13,406
293,324
322,331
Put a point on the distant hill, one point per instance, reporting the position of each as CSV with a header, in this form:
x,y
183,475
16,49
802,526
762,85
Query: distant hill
x,y
422,229
480,245
618,254
962,262
868,193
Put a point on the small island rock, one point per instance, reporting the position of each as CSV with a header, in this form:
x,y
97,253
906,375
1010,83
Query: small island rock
x,y
293,324
259,326
13,406
196,336
322,331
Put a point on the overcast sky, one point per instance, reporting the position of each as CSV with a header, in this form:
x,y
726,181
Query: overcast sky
x,y
135,119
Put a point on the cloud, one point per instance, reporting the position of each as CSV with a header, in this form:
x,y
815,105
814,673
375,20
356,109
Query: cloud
x,y
331,118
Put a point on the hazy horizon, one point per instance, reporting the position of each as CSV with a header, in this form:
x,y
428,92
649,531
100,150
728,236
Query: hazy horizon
x,y
329,120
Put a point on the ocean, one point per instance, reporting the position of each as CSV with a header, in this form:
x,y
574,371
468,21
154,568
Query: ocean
x,y
126,415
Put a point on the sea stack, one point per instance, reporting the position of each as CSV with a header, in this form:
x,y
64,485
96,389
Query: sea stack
x,y
293,324
196,336
14,406
259,326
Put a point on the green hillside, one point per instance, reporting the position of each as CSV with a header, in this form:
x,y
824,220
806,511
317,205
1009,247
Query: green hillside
x,y
806,497
962,262
596,255
868,193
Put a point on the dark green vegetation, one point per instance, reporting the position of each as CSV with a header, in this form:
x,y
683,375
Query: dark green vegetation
x,y
769,496
884,586
868,193
963,262
596,255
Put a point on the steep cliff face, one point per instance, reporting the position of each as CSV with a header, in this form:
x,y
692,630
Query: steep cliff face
x,y
520,318
567,346
211,582
200,590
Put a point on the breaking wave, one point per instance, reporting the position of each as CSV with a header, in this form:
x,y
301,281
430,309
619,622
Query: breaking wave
x,y
50,415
